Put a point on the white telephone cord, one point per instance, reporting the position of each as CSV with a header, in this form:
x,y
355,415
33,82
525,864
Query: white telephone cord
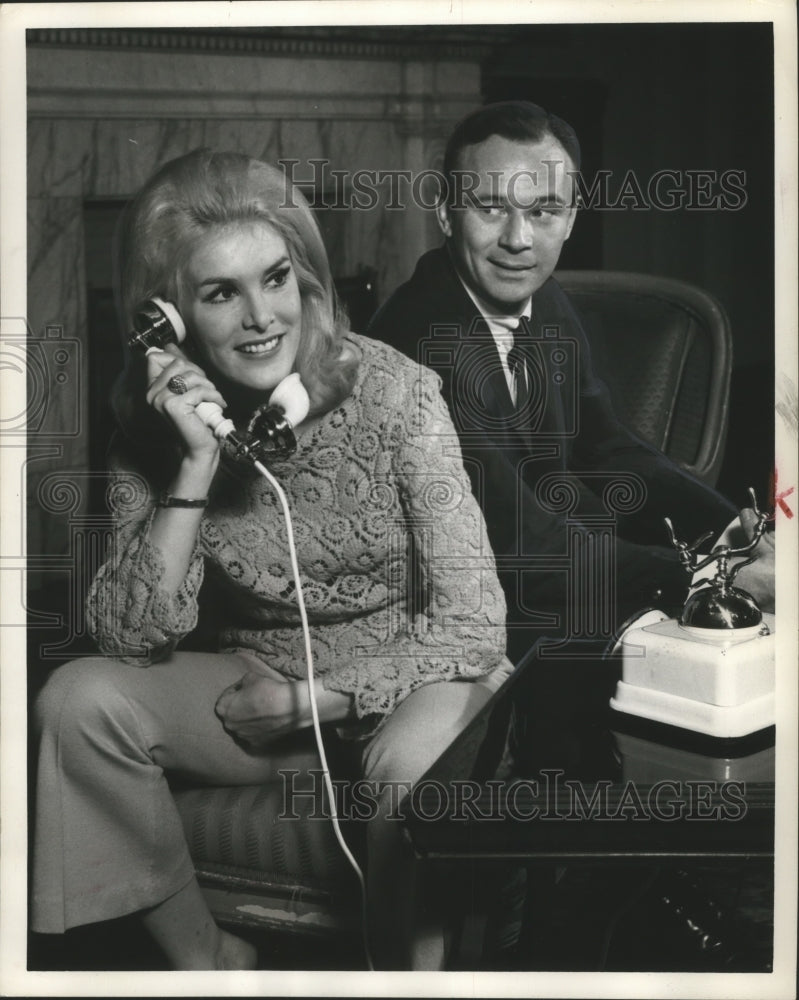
x,y
314,711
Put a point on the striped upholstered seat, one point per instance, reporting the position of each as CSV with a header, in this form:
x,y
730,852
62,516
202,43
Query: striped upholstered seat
x,y
265,865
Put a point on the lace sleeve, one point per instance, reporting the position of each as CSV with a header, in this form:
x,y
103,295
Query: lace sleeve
x,y
459,630
129,616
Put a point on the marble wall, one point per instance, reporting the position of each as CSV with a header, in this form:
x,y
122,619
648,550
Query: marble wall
x,y
100,119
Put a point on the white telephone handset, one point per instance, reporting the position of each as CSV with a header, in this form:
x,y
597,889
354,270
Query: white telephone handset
x,y
158,323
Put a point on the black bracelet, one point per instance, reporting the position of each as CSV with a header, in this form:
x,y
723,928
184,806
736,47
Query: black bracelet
x,y
167,500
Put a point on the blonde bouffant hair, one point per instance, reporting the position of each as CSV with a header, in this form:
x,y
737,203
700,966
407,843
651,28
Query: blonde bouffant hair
x,y
204,190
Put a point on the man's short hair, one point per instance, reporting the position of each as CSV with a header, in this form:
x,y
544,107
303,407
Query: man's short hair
x,y
519,121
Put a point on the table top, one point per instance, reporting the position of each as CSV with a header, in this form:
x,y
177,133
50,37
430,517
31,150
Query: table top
x,y
547,771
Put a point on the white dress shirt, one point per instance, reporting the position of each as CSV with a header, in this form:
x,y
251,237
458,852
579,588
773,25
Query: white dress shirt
x,y
502,329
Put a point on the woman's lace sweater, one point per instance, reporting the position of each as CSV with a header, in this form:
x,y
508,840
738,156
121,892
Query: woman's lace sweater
x,y
375,480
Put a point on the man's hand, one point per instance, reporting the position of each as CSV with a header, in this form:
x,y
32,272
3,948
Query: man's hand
x,y
258,709
757,578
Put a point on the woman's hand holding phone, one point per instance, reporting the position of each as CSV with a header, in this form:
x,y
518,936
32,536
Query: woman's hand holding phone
x,y
174,529
180,410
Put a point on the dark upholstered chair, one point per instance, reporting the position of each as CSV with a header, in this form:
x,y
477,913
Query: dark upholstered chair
x,y
664,348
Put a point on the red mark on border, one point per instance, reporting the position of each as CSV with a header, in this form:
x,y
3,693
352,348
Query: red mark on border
x,y
778,499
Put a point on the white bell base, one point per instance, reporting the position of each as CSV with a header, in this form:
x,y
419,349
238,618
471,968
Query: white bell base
x,y
726,721
720,683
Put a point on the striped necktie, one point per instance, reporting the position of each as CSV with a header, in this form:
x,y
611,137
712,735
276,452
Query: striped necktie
x,y
517,365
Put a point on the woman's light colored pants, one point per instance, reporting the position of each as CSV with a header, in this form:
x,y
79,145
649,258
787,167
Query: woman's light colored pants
x,y
108,838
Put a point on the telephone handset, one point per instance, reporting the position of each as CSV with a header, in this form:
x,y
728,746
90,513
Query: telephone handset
x,y
270,432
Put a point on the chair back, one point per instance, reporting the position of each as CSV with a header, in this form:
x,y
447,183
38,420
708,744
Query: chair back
x,y
664,349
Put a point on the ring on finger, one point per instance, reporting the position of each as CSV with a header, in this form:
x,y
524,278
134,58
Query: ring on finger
x,y
177,384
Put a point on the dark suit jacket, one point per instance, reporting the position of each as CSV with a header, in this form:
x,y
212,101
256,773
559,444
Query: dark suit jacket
x,y
559,468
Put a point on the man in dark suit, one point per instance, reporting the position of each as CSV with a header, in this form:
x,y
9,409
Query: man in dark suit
x,y
574,502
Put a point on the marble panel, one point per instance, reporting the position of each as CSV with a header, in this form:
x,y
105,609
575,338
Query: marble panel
x,y
461,78
56,277
60,157
128,152
72,71
58,356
